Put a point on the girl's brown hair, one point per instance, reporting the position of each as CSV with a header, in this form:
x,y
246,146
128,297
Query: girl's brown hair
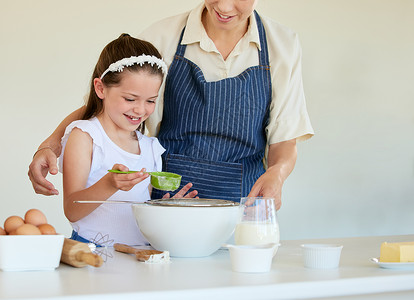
x,y
123,47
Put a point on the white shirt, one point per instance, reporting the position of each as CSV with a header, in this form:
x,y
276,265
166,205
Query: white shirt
x,y
114,223
288,114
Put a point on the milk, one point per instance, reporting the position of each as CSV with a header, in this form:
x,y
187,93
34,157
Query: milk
x,y
253,233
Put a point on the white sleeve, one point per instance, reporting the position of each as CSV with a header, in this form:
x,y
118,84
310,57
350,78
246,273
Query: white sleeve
x,y
88,127
157,151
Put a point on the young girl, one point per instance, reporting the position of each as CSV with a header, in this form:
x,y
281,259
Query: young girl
x,y
124,88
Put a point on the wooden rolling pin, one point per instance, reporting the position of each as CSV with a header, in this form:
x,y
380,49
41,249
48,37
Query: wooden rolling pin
x,y
78,254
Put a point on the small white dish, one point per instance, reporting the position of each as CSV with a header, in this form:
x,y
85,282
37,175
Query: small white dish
x,y
252,259
321,256
393,265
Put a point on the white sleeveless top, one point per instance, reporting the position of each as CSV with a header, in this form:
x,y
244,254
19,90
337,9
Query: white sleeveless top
x,y
114,223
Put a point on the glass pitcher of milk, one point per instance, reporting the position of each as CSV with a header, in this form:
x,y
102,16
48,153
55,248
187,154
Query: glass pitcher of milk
x,y
257,223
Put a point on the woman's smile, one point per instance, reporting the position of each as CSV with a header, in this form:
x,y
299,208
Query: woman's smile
x,y
223,18
228,15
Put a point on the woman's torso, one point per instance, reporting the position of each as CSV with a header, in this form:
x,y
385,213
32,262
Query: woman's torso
x,y
214,132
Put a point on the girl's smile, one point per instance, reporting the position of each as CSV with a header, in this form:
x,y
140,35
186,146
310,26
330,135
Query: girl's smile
x,y
134,120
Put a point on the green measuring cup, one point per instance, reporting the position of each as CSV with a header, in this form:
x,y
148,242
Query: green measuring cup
x,y
164,181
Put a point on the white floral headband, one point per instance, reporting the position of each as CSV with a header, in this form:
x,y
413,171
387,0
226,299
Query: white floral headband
x,y
119,65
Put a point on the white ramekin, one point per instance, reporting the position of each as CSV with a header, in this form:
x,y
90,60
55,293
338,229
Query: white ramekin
x,y
321,256
251,258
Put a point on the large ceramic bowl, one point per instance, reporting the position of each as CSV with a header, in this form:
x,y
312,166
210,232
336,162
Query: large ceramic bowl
x,y
187,227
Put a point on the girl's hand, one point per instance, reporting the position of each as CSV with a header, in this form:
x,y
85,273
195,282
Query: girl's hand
x,y
182,193
125,182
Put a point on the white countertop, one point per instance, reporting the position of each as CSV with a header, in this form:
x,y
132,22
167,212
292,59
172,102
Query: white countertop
x,y
123,277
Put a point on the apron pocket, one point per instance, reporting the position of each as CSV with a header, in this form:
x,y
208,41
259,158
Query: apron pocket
x,y
212,179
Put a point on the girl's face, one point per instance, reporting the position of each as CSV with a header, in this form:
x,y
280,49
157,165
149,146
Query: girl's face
x,y
132,101
229,14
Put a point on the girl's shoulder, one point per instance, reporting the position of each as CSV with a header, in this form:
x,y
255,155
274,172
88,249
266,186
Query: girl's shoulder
x,y
91,124
91,127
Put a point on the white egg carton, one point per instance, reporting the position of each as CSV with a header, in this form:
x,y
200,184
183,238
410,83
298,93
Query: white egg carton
x,y
30,252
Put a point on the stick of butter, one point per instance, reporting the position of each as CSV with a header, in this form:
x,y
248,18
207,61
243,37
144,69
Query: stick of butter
x,y
397,252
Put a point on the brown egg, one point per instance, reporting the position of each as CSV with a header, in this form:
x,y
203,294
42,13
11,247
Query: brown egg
x,y
2,231
46,229
28,229
12,223
35,217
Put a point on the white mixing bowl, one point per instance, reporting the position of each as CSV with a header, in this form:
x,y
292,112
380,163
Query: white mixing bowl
x,y
187,230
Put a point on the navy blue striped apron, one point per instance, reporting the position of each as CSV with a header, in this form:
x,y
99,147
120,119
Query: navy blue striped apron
x,y
214,132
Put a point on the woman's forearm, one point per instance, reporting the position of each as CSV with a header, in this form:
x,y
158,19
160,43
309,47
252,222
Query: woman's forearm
x,y
53,141
281,159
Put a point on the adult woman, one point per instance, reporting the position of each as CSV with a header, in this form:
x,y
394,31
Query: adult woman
x,y
234,90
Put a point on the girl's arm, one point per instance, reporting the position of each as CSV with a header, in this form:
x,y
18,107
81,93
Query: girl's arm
x,y
45,159
76,168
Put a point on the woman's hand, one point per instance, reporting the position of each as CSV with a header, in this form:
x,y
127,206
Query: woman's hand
x,y
125,182
269,185
182,193
44,162
281,161
45,159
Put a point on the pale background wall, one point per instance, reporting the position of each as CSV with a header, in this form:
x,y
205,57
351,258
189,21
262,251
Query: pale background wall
x,y
354,178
